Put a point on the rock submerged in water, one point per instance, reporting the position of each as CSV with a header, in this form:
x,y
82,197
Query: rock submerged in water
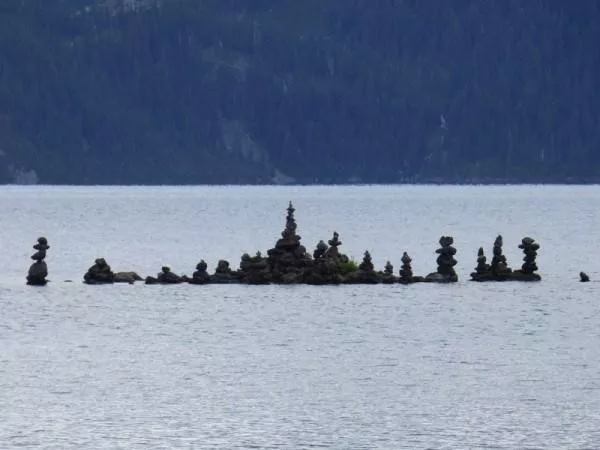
x,y
38,271
126,277
583,277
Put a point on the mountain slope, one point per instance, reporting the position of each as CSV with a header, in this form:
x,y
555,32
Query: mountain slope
x,y
239,91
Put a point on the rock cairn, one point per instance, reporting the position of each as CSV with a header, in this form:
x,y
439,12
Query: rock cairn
x,y
387,277
38,271
530,248
333,251
529,267
166,276
200,276
254,269
324,268
288,259
445,261
366,272
406,273
99,273
127,277
483,268
223,274
499,266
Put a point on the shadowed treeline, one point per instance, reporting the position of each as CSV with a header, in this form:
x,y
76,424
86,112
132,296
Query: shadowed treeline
x,y
262,91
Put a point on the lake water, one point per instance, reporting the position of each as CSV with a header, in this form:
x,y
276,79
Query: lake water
x,y
461,366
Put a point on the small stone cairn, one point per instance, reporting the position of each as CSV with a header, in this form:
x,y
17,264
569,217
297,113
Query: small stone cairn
x,y
387,277
254,269
446,262
529,267
166,276
99,273
223,274
200,276
366,272
406,273
324,268
288,259
38,271
483,268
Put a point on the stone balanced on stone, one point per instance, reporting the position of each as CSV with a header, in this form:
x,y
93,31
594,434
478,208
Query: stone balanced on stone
x,y
446,262
223,274
406,273
38,271
288,259
529,267
499,267
167,276
324,268
254,269
99,273
366,272
200,276
483,269
387,277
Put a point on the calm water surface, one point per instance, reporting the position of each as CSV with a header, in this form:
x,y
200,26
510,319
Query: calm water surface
x,y
462,366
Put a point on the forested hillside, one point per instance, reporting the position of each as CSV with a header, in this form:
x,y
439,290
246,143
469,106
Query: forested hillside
x,y
326,91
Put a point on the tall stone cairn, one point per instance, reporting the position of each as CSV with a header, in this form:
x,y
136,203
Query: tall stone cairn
x,y
406,273
499,266
530,248
38,271
288,258
482,266
445,271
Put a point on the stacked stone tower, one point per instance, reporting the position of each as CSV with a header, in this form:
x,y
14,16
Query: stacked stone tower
x,y
38,271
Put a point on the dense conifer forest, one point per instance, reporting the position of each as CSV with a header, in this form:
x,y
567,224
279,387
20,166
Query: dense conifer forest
x,y
310,91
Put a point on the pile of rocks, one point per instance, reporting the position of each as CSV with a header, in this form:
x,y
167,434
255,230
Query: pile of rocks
x,y
288,259
529,267
166,276
200,276
483,268
223,274
366,272
38,271
446,262
406,273
325,267
387,277
254,269
99,273
499,266
499,270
